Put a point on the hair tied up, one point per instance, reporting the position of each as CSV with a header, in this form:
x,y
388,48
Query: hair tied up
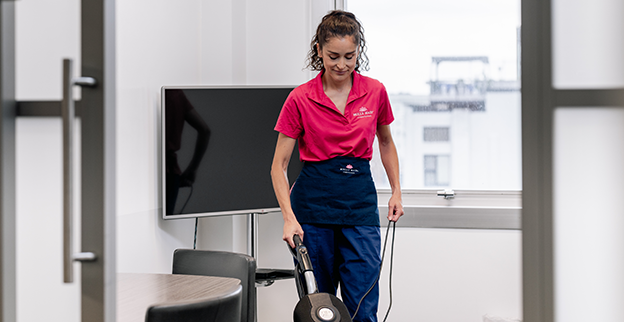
x,y
338,23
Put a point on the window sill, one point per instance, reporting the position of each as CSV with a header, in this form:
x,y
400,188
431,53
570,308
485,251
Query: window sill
x,y
469,209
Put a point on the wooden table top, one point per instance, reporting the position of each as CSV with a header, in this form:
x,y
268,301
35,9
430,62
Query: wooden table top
x,y
136,292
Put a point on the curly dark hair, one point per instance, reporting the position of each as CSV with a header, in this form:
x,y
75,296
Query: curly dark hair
x,y
338,23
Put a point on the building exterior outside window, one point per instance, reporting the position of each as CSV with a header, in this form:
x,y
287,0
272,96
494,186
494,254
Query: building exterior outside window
x,y
454,89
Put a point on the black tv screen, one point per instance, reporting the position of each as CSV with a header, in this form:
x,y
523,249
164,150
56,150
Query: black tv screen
x,y
217,150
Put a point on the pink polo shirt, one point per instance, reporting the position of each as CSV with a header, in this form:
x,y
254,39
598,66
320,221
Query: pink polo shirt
x,y
323,132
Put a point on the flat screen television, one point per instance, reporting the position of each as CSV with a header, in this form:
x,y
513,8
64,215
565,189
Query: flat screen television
x,y
217,149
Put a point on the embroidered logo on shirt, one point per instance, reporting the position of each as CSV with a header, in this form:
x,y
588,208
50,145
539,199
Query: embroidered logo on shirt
x,y
363,112
349,169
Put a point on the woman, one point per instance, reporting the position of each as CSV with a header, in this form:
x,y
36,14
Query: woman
x,y
333,203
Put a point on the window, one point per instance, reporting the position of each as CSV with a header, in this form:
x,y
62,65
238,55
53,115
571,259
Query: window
x,y
436,134
450,64
437,172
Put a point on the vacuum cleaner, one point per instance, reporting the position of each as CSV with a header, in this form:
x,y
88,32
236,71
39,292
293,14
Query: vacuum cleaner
x,y
313,306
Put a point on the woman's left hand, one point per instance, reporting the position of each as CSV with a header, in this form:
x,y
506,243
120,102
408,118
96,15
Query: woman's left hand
x,y
395,208
390,160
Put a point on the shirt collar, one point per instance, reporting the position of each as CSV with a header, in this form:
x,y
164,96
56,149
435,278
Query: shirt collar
x,y
318,95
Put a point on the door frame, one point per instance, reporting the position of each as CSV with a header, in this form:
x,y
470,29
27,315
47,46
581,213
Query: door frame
x,y
98,187
8,305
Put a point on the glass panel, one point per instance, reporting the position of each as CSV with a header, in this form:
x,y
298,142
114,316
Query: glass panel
x,y
431,163
453,84
588,44
39,224
444,173
588,207
41,47
46,33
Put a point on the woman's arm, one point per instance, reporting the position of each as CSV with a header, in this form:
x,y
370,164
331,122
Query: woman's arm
x,y
279,176
390,160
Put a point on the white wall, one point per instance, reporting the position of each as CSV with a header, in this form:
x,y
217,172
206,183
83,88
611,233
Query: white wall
x,y
198,42
162,48
220,42
166,42
453,275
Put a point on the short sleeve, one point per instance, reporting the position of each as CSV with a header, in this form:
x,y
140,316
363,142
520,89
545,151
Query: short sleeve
x,y
385,110
289,120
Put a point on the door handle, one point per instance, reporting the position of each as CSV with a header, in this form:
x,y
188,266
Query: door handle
x,y
68,113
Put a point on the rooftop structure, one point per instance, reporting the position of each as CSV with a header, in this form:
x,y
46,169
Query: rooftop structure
x,y
467,86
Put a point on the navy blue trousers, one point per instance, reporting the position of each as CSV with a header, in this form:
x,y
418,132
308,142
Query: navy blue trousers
x,y
348,256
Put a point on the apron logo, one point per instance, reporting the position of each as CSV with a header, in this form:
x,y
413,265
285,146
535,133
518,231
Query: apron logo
x,y
349,169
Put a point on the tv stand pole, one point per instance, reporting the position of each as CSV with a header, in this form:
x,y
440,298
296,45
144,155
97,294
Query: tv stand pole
x,y
252,235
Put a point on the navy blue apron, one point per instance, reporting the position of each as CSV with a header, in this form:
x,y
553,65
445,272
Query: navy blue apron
x,y
337,191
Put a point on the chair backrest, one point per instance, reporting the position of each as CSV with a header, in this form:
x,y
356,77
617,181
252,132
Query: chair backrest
x,y
223,264
221,309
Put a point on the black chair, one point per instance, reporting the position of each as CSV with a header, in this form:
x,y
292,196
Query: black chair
x,y
222,264
222,309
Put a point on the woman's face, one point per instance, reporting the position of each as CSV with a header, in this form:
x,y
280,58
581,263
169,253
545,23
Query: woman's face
x,y
339,57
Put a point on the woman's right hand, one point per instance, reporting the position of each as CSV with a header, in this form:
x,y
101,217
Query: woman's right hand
x,y
292,228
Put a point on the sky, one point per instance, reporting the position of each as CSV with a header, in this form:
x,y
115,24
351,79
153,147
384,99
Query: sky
x,y
403,35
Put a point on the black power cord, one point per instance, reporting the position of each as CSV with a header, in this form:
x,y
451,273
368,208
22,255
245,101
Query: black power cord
x,y
383,254
391,260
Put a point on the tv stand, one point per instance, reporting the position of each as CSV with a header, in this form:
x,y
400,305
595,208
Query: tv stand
x,y
252,235
264,276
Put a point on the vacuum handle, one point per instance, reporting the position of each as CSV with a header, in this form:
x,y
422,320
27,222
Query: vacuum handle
x,y
305,265
297,240
302,255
